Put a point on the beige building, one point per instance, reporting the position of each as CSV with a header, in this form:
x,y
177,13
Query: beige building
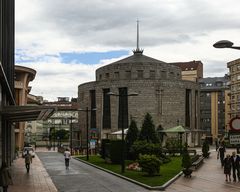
x,y
191,71
23,75
234,72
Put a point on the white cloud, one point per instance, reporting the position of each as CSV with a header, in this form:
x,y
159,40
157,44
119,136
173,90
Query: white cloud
x,y
170,31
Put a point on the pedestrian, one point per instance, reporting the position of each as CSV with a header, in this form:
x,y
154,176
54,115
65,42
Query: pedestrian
x,y
216,143
67,156
28,160
227,167
221,153
235,166
5,177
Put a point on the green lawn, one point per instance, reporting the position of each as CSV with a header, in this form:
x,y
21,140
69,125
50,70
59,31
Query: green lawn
x,y
167,171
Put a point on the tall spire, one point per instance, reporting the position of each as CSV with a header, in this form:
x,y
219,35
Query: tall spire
x,y
137,50
137,34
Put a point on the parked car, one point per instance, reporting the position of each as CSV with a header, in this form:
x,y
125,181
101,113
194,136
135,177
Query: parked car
x,y
30,149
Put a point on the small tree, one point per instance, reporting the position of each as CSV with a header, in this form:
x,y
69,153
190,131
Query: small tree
x,y
148,131
131,137
186,159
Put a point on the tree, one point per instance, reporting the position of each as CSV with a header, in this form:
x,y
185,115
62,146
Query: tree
x,y
186,162
148,130
132,134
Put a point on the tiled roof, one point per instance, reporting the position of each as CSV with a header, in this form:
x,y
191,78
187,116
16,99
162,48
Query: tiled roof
x,y
191,65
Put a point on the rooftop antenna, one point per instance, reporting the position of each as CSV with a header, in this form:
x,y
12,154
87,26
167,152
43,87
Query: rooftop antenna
x,y
137,50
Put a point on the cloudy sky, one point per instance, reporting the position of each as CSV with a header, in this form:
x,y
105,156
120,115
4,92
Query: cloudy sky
x,y
66,41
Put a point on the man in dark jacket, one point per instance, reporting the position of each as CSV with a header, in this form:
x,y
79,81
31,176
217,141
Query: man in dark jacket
x,y
235,166
221,153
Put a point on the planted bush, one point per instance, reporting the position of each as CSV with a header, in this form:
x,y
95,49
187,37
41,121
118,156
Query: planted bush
x,y
150,164
116,151
144,147
103,146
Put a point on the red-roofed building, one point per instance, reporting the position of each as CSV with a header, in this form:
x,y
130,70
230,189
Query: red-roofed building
x,y
191,71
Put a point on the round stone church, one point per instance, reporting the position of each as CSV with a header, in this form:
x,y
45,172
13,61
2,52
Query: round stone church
x,y
132,87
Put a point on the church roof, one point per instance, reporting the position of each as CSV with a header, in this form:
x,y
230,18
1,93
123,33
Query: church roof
x,y
138,57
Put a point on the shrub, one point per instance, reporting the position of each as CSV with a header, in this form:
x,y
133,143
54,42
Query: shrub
x,y
150,164
131,137
116,151
143,147
186,159
103,145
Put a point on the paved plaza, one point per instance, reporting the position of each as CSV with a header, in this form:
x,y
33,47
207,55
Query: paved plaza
x,y
48,174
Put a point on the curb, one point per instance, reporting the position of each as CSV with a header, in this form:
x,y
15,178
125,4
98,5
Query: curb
x,y
160,188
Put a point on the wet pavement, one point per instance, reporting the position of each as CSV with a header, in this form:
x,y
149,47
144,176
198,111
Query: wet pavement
x,y
50,175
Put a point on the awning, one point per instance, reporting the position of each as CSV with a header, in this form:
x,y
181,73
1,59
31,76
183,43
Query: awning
x,y
120,132
177,129
26,113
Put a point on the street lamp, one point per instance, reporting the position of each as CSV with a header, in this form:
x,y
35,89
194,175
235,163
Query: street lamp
x,y
71,134
122,127
87,110
225,44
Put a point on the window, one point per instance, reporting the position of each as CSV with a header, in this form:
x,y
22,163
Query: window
x,y
100,77
107,75
116,75
128,74
140,73
106,123
152,74
163,74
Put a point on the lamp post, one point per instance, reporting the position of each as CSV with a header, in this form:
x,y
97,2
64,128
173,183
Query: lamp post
x,y
71,135
122,127
225,44
86,111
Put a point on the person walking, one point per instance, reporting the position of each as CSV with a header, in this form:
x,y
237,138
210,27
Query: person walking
x,y
5,177
221,153
227,167
67,156
235,159
28,160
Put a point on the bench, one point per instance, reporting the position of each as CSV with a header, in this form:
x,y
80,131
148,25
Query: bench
x,y
197,161
178,152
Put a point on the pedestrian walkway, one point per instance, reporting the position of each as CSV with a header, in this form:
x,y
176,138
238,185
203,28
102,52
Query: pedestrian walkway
x,y
37,180
209,177
81,177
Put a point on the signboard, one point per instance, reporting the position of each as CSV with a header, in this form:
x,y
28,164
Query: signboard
x,y
235,124
92,144
234,138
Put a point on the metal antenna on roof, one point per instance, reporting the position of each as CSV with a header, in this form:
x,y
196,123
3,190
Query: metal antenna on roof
x,y
137,34
137,50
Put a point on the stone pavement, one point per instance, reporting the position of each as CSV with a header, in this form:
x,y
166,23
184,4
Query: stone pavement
x,y
209,177
37,180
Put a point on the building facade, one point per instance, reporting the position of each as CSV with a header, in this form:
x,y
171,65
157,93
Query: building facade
x,y
161,92
234,73
214,106
23,75
64,118
191,71
7,146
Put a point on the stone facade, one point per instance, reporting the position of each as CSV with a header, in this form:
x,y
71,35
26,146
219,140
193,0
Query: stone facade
x,y
161,92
